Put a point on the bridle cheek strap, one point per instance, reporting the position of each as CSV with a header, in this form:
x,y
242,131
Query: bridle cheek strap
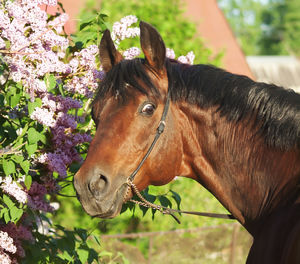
x,y
144,202
160,129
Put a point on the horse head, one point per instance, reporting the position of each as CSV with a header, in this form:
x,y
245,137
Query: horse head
x,y
127,110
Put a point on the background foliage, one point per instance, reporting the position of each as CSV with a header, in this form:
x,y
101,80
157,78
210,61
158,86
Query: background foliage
x,y
269,27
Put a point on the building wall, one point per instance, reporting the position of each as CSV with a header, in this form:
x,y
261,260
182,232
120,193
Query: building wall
x,y
213,27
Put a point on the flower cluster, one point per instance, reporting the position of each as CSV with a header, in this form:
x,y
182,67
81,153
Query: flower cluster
x,y
6,246
131,53
122,30
11,237
13,189
188,59
86,83
32,55
36,198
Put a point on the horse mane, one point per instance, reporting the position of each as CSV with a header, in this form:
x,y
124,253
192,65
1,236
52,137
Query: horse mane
x,y
276,111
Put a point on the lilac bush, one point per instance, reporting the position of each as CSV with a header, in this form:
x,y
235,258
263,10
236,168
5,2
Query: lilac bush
x,y
47,83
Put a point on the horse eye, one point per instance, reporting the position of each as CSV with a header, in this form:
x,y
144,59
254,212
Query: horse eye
x,y
148,109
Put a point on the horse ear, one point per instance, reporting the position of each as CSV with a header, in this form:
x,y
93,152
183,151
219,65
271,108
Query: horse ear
x,y
153,47
109,56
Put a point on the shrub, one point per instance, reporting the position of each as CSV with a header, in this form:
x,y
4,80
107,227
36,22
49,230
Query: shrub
x,y
47,82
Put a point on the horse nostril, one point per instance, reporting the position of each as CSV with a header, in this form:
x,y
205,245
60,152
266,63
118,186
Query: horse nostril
x,y
98,185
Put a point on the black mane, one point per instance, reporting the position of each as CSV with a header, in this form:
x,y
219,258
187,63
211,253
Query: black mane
x,y
275,109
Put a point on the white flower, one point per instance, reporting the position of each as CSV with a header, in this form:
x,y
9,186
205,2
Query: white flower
x,y
13,189
7,243
131,53
170,53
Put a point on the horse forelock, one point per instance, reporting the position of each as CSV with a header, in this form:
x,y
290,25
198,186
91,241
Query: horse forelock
x,y
126,74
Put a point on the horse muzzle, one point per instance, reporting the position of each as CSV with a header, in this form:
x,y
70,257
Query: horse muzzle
x,y
98,197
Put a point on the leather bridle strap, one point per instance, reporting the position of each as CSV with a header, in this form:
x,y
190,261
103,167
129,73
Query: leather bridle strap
x,y
159,131
144,202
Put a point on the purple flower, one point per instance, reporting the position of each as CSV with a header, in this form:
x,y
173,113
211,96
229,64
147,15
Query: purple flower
x,y
36,198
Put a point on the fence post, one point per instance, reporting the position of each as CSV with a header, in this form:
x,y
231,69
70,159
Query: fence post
x,y
233,243
150,249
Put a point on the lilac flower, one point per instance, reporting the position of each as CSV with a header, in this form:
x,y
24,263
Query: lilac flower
x,y
2,43
7,243
122,30
170,53
131,53
18,234
66,120
13,189
44,116
58,22
36,198
188,59
4,258
4,20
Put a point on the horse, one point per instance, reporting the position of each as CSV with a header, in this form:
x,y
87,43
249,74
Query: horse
x,y
238,138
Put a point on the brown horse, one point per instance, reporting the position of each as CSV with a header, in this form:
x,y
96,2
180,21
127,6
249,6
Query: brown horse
x,y
238,138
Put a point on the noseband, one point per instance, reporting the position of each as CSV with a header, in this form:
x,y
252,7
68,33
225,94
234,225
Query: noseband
x,y
144,202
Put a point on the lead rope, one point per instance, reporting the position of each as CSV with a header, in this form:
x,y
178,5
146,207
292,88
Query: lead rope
x,y
170,211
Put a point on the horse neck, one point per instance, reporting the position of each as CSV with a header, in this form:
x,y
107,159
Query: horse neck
x,y
237,167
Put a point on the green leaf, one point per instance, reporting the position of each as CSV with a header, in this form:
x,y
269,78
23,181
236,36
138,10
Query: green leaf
x,y
15,213
61,90
177,198
33,105
93,255
43,138
66,256
83,254
164,201
1,100
50,82
14,99
17,158
97,240
8,167
33,135
9,203
149,197
31,149
25,166
28,181
6,215
82,233
84,25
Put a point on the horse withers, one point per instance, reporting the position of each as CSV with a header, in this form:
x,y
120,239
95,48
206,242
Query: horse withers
x,y
240,139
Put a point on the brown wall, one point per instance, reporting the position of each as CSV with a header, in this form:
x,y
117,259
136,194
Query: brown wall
x,y
213,27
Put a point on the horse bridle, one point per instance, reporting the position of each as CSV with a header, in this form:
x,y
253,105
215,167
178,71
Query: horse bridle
x,y
146,203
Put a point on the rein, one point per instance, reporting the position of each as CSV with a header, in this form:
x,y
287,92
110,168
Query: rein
x,y
144,202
